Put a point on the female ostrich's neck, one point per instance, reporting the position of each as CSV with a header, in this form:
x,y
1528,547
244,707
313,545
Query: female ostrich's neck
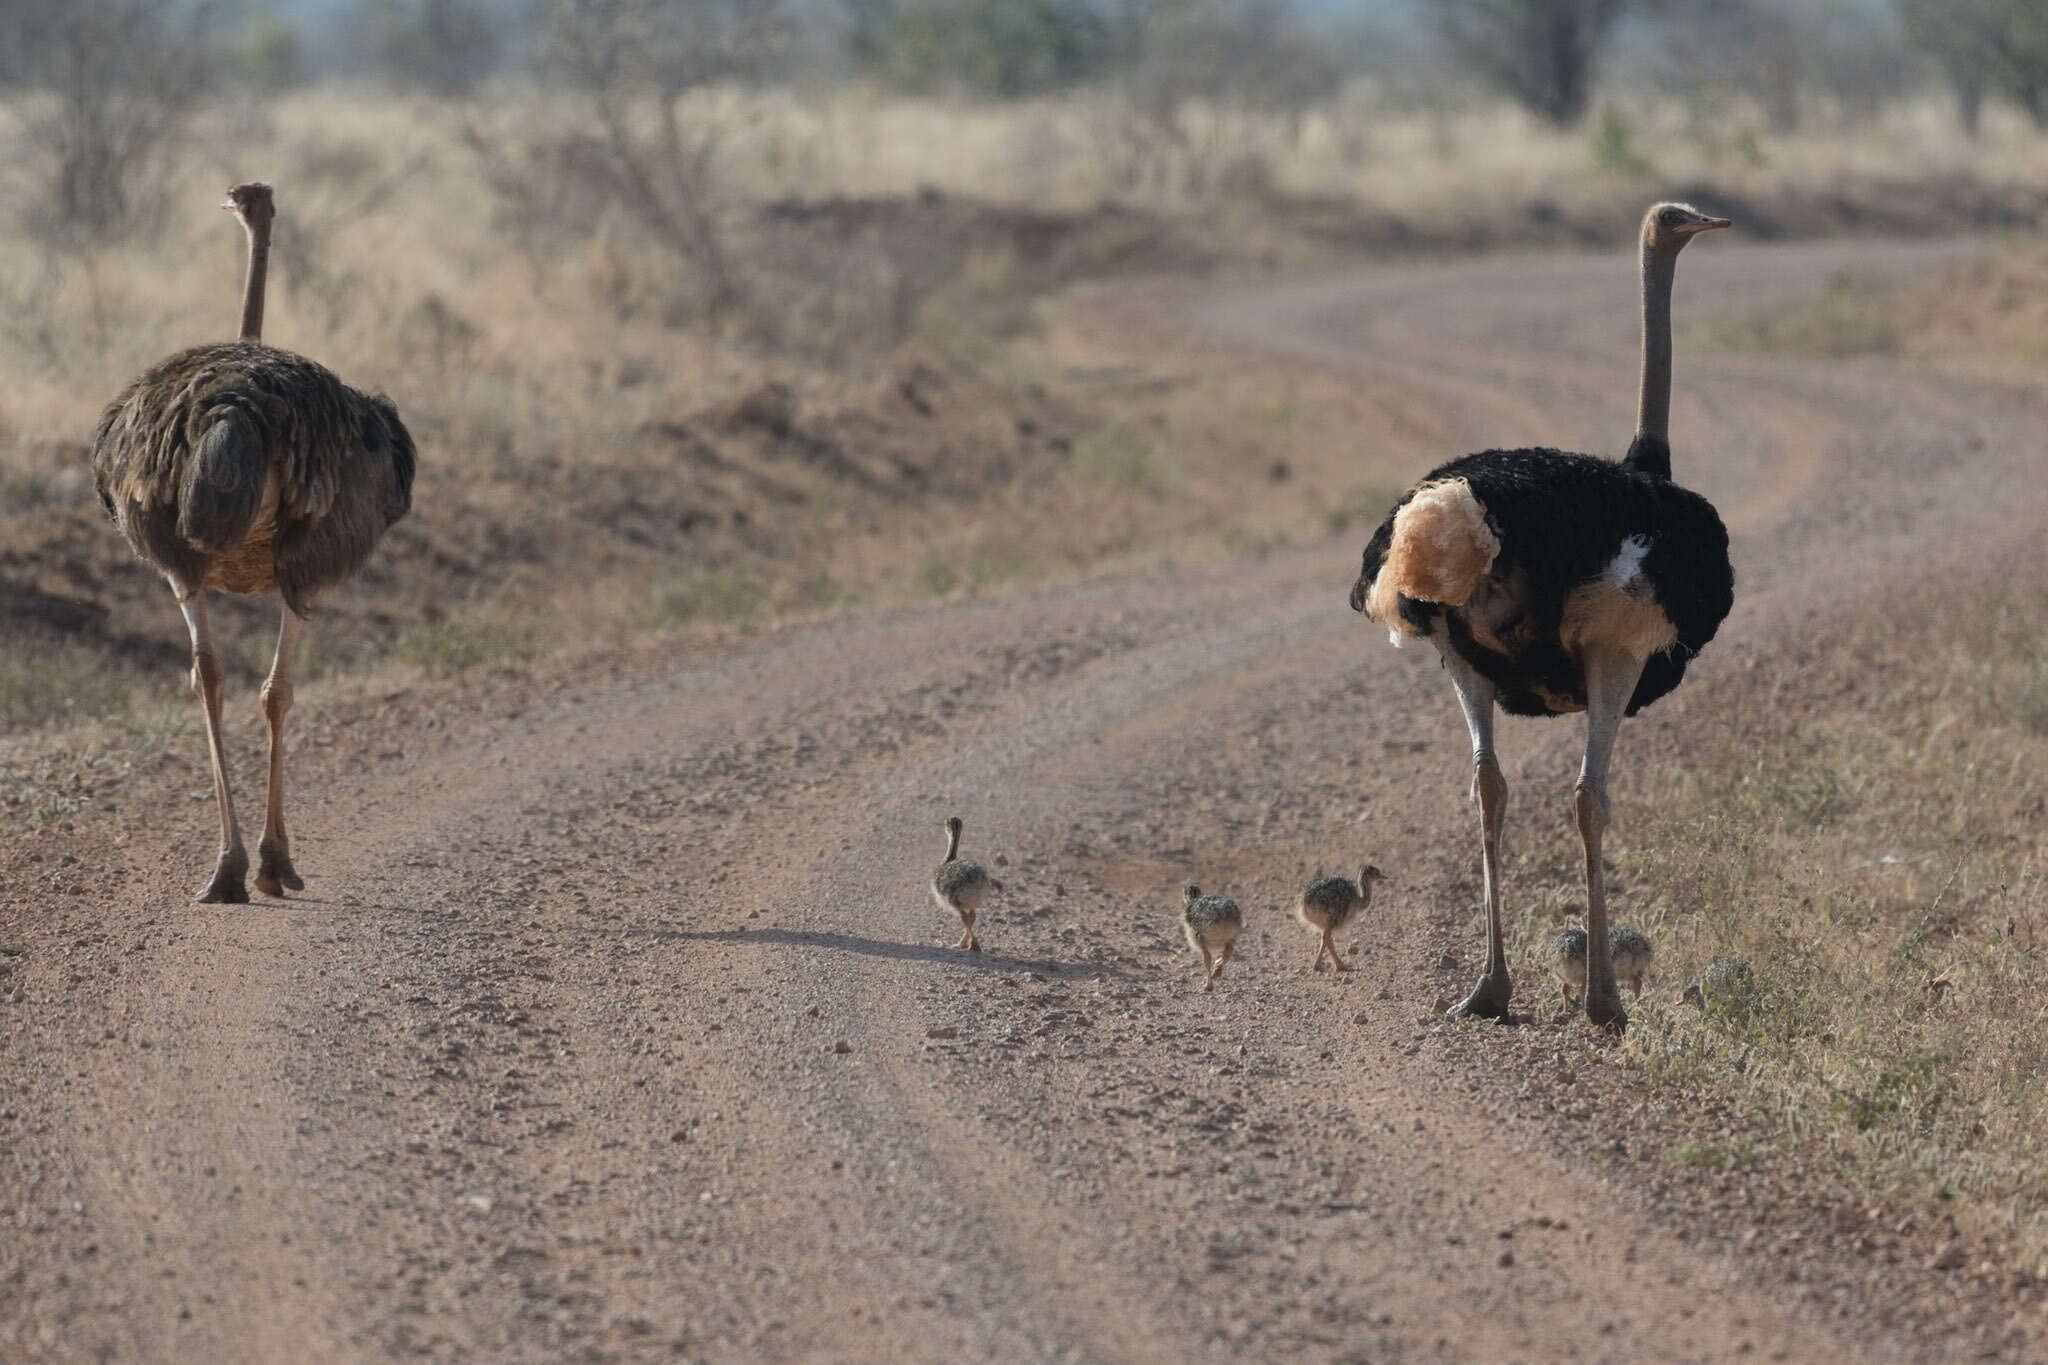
x,y
1651,450
952,842
252,286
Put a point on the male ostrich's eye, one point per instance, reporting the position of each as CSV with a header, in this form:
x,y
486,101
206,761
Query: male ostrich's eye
x,y
1672,218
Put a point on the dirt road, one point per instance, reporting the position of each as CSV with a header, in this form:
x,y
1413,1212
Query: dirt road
x,y
617,1022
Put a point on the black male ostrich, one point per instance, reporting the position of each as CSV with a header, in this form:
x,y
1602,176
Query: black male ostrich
x,y
245,468
1553,582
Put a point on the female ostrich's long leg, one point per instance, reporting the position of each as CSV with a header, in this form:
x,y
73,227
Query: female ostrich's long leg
x,y
228,883
274,871
1611,678
1489,999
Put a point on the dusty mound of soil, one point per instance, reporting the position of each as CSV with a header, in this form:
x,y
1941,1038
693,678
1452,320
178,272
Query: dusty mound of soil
x,y
934,233
760,479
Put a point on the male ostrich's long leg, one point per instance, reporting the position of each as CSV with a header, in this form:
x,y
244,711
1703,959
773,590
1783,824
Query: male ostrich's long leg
x,y
1489,999
228,874
1611,678
274,871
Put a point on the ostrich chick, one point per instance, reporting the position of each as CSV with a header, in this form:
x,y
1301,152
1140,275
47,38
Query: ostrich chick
x,y
1627,950
960,885
1329,904
1630,952
1213,924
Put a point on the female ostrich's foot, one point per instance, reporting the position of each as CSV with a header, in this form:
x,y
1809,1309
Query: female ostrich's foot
x,y
274,871
228,886
1489,1000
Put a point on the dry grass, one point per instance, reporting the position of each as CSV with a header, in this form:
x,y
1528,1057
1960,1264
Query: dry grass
x,y
53,687
1430,165
1851,316
422,296
1985,319
594,470
1883,868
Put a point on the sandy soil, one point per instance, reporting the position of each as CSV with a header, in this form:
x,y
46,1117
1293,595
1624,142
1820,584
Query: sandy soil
x,y
617,1022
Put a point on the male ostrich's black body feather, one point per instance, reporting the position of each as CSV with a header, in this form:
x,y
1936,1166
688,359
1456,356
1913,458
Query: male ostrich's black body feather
x,y
241,466
1561,519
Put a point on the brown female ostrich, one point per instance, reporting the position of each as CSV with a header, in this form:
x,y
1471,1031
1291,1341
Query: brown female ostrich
x,y
1553,583
245,468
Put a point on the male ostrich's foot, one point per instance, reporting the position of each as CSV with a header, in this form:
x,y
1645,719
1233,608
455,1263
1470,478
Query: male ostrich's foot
x,y
1606,1011
274,871
1489,1000
228,886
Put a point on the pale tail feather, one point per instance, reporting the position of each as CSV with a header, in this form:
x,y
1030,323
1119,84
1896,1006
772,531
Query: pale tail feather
x,y
1442,548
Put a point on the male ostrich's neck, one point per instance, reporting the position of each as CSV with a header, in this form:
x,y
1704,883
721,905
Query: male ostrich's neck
x,y
952,842
1651,449
252,286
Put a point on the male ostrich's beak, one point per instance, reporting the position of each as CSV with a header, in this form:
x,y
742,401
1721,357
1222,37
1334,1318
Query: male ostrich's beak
x,y
1704,224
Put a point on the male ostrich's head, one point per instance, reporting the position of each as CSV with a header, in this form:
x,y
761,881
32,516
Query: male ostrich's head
x,y
251,203
1368,876
1192,894
1668,227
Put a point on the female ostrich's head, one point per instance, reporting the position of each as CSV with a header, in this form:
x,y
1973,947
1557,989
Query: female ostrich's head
x,y
1367,876
252,204
1668,227
1190,895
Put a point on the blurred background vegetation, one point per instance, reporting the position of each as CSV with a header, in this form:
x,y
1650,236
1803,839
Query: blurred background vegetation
x,y
698,303
663,123
98,90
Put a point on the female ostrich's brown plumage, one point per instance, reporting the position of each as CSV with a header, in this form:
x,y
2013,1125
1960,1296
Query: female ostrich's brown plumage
x,y
242,467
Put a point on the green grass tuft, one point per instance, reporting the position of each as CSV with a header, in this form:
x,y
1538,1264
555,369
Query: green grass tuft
x,y
1121,455
57,686
732,595
472,638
